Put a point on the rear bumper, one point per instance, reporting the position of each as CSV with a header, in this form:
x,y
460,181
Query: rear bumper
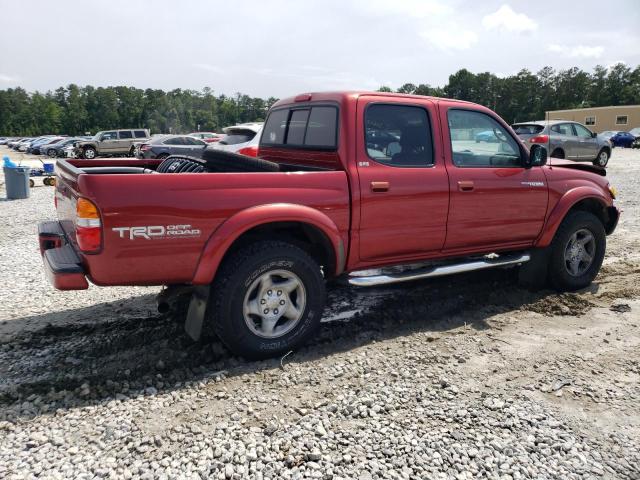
x,y
62,265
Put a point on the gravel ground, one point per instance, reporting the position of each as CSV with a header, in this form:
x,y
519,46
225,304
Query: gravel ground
x,y
460,377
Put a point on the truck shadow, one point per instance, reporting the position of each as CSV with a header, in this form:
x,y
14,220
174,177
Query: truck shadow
x,y
90,361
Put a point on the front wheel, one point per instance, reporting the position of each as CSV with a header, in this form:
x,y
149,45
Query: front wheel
x,y
267,299
602,159
89,153
577,251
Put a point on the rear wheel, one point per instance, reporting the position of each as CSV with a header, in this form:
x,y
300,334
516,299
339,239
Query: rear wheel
x,y
602,159
577,251
52,153
267,299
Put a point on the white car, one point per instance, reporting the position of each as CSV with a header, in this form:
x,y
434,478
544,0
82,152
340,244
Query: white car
x,y
243,139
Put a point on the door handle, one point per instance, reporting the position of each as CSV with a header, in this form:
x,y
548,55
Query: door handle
x,y
379,186
465,185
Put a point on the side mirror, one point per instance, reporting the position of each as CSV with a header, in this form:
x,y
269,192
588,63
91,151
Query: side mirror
x,y
537,157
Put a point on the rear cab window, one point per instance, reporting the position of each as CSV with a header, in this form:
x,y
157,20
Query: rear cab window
x,y
125,134
140,134
310,127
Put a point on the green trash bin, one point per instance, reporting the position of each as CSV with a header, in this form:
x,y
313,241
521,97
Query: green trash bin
x,y
16,181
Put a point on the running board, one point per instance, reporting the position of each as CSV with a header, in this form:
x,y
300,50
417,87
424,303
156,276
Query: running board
x,y
439,271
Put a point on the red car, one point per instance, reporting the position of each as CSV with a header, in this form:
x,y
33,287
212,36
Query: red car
x,y
346,182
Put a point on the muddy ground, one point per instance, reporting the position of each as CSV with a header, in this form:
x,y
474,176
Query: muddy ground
x,y
567,364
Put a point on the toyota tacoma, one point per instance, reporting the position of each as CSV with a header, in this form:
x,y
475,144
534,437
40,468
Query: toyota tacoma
x,y
368,188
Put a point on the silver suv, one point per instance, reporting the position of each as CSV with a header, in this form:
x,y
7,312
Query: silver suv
x,y
565,139
111,142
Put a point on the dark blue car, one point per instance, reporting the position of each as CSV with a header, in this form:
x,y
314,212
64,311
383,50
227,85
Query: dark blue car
x,y
620,139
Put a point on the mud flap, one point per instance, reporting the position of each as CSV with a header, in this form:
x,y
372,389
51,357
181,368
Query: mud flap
x,y
197,309
533,274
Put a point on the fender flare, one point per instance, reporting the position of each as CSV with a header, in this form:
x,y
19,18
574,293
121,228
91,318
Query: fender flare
x,y
566,203
231,229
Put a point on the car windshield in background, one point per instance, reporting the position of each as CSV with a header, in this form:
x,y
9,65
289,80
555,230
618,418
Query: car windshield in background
x,y
235,137
527,129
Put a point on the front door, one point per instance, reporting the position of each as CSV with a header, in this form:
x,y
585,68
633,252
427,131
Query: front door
x,y
108,142
495,201
404,191
587,143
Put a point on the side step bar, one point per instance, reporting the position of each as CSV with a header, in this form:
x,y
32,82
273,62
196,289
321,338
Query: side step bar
x,y
439,271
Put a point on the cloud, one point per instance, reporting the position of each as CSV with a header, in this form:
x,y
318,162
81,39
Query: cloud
x,y
506,19
450,39
8,78
576,51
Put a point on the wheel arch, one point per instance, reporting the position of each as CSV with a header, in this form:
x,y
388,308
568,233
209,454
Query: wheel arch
x,y
303,226
579,199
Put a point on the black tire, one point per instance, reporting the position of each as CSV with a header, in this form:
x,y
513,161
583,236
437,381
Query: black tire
x,y
52,153
602,159
559,275
89,153
223,161
225,314
558,153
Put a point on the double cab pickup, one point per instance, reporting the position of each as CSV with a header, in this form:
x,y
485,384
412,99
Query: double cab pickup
x,y
369,188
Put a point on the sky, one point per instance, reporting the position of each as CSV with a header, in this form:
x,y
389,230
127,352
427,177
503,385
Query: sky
x,y
281,48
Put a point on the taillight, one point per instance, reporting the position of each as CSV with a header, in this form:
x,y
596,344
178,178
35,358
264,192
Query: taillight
x,y
539,139
88,226
145,147
251,151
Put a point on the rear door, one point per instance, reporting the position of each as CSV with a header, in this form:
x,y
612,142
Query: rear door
x,y
404,191
495,201
563,136
125,141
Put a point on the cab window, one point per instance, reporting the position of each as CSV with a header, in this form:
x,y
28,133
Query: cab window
x,y
477,140
109,136
583,132
398,135
125,134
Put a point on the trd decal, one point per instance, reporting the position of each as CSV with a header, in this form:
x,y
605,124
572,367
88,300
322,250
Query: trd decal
x,y
151,232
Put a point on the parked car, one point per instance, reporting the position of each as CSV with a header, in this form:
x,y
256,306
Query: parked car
x,y
253,246
622,139
13,144
5,140
111,143
36,147
242,138
24,144
209,137
565,139
486,136
162,147
56,149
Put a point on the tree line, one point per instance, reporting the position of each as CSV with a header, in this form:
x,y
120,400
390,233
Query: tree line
x,y
527,96
75,110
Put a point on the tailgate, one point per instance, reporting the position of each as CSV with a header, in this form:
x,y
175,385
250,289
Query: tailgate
x,y
66,196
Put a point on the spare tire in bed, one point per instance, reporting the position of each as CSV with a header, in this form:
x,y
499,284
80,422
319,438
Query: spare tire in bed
x,y
223,161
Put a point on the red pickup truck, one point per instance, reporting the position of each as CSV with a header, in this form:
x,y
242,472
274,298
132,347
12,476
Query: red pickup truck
x,y
373,188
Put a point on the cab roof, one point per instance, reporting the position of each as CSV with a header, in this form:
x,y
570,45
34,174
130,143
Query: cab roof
x,y
345,96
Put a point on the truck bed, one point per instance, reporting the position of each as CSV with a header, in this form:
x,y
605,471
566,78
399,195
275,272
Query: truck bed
x,y
156,225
